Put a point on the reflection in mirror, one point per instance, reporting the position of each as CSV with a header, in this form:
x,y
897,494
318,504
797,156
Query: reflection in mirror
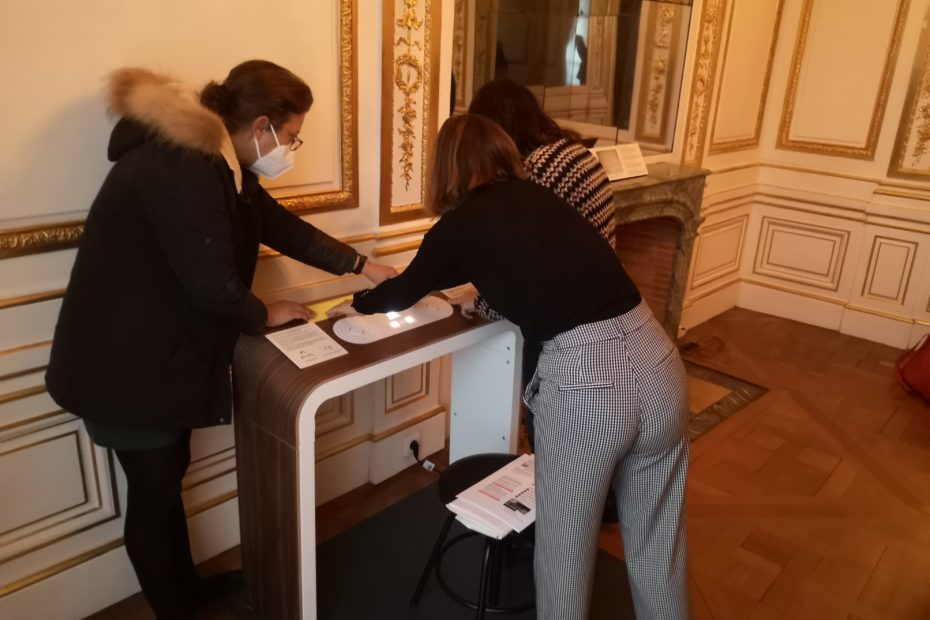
x,y
610,69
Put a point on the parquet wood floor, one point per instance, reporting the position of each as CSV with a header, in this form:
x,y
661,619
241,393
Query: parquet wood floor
x,y
814,500
811,502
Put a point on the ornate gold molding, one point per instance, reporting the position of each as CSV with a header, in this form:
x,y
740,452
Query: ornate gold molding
x,y
661,52
726,146
878,110
914,126
411,73
459,51
702,82
347,197
37,239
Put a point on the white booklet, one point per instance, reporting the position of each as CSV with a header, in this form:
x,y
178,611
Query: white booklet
x,y
503,502
306,345
621,161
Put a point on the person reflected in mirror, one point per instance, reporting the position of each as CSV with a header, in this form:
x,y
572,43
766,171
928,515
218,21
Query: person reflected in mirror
x,y
609,391
160,289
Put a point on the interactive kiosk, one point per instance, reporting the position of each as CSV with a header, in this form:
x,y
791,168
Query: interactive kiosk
x,y
275,431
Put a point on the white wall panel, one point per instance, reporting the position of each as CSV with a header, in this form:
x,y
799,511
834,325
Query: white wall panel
x,y
717,250
802,253
844,56
745,73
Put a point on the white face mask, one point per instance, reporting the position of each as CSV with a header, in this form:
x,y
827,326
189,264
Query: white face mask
x,y
273,164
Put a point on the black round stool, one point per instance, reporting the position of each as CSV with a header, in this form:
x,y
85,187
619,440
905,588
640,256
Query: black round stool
x,y
459,476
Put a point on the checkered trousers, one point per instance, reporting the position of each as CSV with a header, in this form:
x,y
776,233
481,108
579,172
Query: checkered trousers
x,y
610,400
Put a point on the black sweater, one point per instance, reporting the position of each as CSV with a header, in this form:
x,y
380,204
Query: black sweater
x,y
160,286
534,258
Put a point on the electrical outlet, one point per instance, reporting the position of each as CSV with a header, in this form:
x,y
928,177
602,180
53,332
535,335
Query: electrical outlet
x,y
405,444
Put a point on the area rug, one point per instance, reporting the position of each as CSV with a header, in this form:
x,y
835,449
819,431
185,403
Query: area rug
x,y
715,396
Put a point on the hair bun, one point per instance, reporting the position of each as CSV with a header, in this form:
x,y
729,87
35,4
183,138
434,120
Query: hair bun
x,y
216,97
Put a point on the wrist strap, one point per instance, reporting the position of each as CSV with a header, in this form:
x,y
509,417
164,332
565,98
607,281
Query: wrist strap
x,y
362,259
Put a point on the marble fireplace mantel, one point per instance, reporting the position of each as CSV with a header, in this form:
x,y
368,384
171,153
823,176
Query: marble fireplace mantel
x,y
668,191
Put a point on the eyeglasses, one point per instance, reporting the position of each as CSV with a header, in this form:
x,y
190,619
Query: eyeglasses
x,y
295,142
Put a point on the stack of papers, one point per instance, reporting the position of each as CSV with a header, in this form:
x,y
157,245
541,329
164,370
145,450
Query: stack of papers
x,y
502,503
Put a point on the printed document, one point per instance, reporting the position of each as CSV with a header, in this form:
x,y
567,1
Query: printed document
x,y
306,345
503,502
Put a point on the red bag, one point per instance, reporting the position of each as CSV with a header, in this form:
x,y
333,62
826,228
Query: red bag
x,y
913,369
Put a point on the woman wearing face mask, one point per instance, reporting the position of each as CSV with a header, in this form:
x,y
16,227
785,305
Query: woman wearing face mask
x,y
160,288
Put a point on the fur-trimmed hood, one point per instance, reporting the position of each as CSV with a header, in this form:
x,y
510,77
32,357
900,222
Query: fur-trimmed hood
x,y
172,111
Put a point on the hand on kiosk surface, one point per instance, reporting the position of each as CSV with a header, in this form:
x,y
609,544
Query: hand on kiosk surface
x,y
281,312
343,309
466,303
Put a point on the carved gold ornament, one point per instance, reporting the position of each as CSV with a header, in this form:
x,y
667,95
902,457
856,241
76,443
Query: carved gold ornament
x,y
703,81
408,76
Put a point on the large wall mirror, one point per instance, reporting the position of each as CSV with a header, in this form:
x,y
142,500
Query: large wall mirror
x,y
610,68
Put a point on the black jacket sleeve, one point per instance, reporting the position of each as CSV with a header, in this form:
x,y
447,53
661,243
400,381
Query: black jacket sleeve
x,y
434,267
300,240
185,200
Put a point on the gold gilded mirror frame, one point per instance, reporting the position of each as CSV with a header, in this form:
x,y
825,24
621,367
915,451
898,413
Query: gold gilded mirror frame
x,y
347,196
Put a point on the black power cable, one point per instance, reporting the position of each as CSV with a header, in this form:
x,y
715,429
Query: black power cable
x,y
424,463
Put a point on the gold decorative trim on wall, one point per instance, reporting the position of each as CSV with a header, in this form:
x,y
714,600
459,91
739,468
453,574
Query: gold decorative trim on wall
x,y
485,38
878,110
879,244
37,239
410,86
726,146
347,197
702,82
911,155
826,277
661,49
459,51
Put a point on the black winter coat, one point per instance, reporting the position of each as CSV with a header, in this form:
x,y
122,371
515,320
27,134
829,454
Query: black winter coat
x,y
160,288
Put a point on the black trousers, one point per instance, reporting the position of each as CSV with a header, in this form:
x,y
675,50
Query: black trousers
x,y
155,532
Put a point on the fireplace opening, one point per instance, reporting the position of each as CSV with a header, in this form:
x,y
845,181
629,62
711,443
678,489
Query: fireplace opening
x,y
647,249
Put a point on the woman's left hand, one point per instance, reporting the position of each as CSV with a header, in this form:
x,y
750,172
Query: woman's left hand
x,y
281,312
343,309
466,303
378,272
